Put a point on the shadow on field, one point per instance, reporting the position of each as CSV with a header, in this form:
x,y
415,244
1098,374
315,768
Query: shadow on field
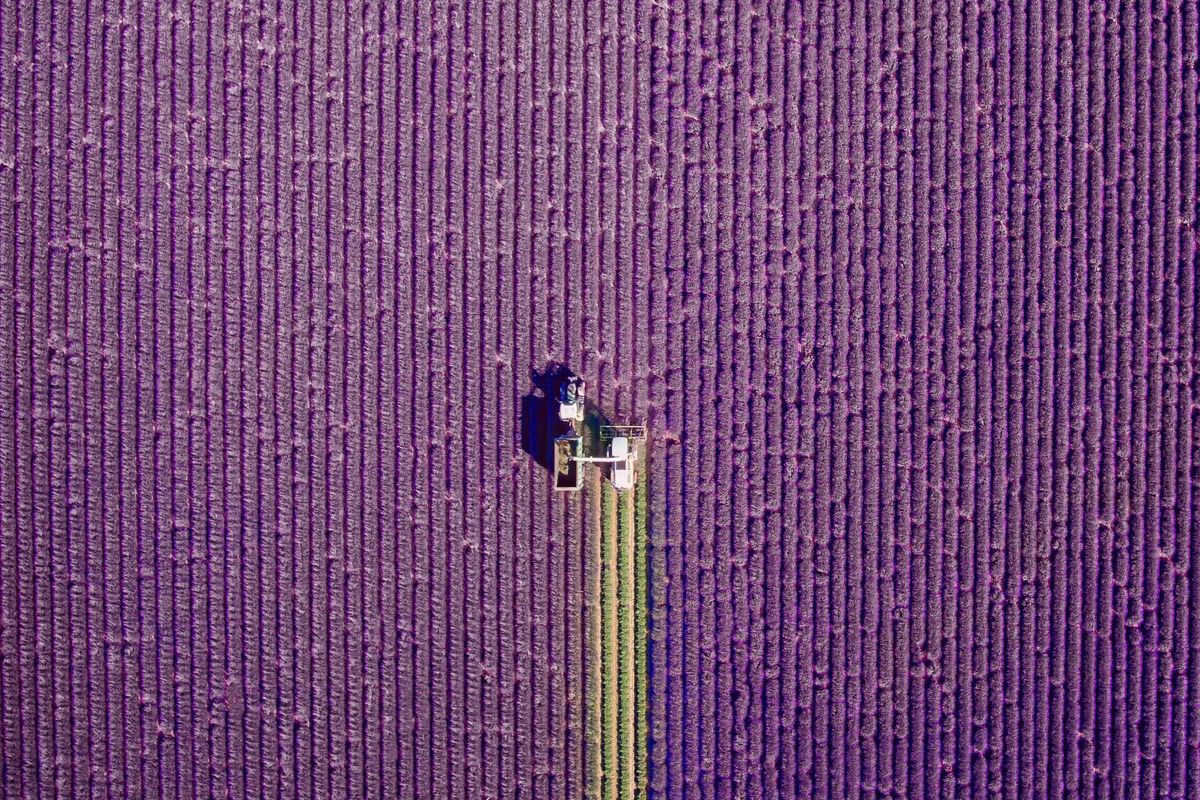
x,y
539,424
535,438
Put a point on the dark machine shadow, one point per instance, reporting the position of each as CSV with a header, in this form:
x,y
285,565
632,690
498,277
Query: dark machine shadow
x,y
539,420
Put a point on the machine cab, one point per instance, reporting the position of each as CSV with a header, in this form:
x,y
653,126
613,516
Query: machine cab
x,y
571,399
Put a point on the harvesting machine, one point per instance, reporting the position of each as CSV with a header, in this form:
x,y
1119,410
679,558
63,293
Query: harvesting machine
x,y
622,453
618,443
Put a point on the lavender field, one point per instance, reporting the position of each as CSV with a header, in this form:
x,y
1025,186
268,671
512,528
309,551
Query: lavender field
x,y
905,293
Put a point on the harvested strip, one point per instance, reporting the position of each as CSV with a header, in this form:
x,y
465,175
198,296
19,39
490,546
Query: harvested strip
x,y
620,688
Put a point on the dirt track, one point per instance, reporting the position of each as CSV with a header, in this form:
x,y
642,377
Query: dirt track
x,y
905,292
